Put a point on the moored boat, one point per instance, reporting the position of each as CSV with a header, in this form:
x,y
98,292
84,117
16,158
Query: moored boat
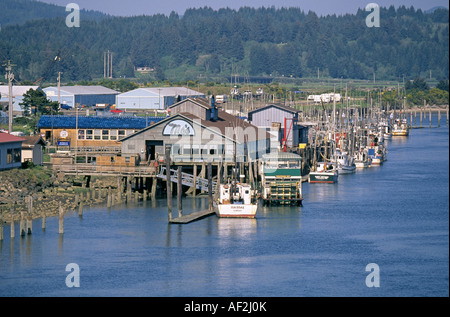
x,y
236,201
324,173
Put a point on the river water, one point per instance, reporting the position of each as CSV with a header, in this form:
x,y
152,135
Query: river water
x,y
395,216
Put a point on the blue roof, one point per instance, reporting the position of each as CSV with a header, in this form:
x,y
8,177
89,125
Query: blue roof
x,y
96,122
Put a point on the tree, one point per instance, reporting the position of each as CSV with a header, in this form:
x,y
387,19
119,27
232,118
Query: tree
x,y
443,85
417,84
37,100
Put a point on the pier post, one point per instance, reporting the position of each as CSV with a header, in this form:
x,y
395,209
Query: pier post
x,y
439,118
430,118
154,186
1,226
195,181
210,194
108,199
421,116
29,217
447,116
179,192
80,209
22,224
168,185
61,219
44,218
12,223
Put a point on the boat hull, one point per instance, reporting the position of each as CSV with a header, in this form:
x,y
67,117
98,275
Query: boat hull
x,y
322,177
236,210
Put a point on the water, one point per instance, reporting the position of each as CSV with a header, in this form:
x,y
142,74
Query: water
x,y
395,215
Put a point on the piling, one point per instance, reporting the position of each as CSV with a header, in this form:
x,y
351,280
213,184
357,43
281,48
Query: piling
x,y
179,192
430,118
210,192
61,219
12,223
439,118
80,209
1,226
154,187
44,218
447,116
168,185
421,116
29,217
108,199
22,224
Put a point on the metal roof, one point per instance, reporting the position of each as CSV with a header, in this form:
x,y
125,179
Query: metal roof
x,y
84,90
8,138
162,91
17,90
96,122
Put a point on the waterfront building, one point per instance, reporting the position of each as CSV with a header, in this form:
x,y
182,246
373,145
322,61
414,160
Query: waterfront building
x,y
82,96
33,149
17,96
157,98
197,131
10,151
90,131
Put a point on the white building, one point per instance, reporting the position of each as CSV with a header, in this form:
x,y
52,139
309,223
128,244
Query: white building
x,y
326,98
17,95
158,98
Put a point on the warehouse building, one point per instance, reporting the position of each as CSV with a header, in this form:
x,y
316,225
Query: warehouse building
x,y
17,96
90,131
197,131
154,98
82,95
283,124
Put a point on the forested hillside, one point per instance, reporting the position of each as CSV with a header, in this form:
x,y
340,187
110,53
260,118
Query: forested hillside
x,y
248,41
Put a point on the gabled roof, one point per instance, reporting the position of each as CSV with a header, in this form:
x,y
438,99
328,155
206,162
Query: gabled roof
x,y
96,122
284,108
224,121
8,138
202,102
32,141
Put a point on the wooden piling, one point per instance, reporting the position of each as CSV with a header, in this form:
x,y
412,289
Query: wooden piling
x,y
22,224
210,192
154,187
61,219
29,217
44,218
168,185
430,118
108,198
80,209
179,191
195,181
12,223
439,118
1,226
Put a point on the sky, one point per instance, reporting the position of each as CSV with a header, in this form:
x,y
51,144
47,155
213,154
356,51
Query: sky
x,y
320,7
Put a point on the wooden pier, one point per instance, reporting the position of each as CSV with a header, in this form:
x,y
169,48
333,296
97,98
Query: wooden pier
x,y
192,217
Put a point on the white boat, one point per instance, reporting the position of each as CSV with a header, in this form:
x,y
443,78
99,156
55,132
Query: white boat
x,y
345,163
400,128
362,159
236,201
324,173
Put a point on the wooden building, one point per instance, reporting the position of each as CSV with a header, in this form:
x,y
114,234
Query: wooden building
x,y
33,150
90,131
197,131
10,151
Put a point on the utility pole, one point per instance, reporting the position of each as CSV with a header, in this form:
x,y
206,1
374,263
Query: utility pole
x,y
59,90
10,76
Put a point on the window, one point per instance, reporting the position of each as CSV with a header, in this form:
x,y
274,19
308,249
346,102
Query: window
x,y
9,156
113,135
176,149
97,134
81,135
187,150
89,134
105,134
122,134
195,149
17,155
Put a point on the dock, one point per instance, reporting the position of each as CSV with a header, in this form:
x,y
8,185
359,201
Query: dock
x,y
192,217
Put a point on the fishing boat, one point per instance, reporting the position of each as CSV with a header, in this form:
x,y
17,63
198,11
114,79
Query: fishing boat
x,y
345,163
362,159
324,173
236,200
282,178
400,128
